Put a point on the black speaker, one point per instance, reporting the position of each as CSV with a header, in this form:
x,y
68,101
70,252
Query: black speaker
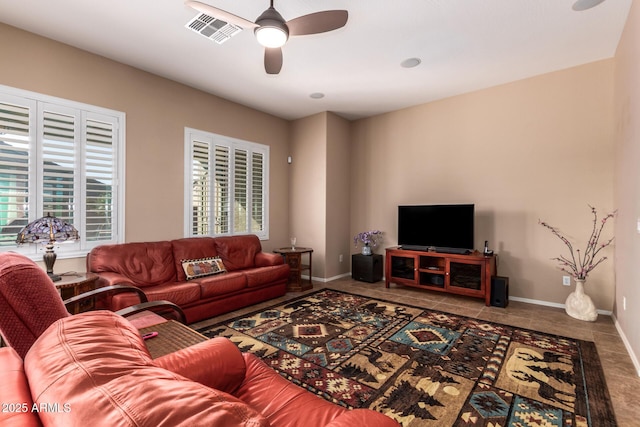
x,y
366,268
499,291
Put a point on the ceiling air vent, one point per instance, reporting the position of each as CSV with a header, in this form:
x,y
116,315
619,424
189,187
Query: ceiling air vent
x,y
212,28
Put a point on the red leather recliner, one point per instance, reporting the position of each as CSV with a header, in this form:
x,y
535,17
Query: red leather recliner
x,y
93,368
30,303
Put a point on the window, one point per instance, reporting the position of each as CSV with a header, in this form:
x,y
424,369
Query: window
x,y
226,186
63,158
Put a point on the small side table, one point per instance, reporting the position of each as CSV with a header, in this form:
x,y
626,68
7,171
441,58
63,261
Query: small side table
x,y
73,285
293,257
172,336
366,268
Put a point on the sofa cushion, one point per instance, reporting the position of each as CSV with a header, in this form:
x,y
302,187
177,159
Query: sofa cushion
x,y
179,293
238,252
145,264
97,365
202,267
260,276
222,284
192,248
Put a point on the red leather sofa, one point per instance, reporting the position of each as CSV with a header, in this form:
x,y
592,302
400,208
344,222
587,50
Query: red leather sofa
x,y
94,369
252,276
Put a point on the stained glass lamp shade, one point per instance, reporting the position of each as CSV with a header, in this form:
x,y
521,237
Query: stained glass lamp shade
x,y
48,230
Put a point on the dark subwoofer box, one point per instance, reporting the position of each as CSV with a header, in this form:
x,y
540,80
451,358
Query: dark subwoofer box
x,y
366,268
499,291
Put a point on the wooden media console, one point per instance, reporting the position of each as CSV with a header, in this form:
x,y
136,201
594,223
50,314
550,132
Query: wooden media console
x,y
468,275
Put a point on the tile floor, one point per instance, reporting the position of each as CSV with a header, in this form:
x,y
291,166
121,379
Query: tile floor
x,y
622,379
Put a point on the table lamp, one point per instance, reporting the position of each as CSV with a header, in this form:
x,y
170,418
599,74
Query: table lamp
x,y
48,230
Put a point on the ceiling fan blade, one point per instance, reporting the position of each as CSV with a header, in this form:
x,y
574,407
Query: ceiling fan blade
x,y
319,22
272,60
220,14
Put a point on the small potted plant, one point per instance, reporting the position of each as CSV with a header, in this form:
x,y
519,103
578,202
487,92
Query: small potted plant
x,y
368,239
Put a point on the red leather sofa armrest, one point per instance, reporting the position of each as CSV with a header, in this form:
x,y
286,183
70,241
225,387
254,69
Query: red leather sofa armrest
x,y
15,396
216,363
281,401
265,259
362,417
108,278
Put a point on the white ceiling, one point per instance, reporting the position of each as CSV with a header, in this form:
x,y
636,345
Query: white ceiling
x,y
464,45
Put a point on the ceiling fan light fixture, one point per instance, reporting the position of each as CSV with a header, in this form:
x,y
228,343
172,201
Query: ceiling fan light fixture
x,y
272,29
271,36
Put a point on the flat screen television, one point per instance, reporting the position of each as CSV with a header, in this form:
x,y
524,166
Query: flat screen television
x,y
448,228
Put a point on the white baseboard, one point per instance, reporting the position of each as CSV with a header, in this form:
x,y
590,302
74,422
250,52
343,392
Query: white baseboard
x,y
551,304
325,279
634,358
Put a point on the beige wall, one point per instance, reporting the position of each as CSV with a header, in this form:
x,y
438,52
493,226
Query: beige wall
x,y
320,191
307,187
157,111
338,196
627,181
540,148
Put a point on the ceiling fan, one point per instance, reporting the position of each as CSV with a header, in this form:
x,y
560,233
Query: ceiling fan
x,y
272,31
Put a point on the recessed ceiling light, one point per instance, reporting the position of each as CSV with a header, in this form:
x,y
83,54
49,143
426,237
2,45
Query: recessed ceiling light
x,y
317,95
410,62
585,4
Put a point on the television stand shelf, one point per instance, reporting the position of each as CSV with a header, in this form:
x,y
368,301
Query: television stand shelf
x,y
468,275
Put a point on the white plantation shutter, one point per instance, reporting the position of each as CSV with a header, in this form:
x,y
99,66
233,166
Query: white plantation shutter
x,y
257,193
62,158
201,190
231,199
221,191
16,129
241,194
100,179
58,165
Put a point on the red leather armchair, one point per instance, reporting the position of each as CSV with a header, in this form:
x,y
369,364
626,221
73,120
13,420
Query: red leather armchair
x,y
93,368
30,303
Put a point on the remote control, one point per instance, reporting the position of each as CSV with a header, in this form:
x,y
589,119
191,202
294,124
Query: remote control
x,y
149,335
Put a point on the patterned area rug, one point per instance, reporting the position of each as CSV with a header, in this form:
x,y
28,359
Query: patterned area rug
x,y
425,367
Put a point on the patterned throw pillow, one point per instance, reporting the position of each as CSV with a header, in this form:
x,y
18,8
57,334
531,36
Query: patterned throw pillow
x,y
202,267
